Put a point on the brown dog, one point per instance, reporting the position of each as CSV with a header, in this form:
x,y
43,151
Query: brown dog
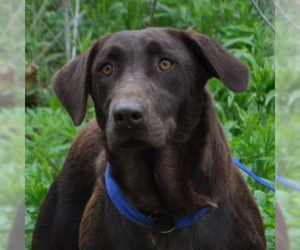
x,y
157,126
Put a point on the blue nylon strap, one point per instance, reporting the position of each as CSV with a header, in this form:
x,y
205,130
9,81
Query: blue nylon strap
x,y
251,174
190,219
286,182
122,204
130,212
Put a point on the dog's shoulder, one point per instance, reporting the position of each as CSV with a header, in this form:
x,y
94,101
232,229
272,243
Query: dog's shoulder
x,y
88,141
82,157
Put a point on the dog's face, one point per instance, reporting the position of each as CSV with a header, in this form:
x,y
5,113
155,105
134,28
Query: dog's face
x,y
147,86
140,80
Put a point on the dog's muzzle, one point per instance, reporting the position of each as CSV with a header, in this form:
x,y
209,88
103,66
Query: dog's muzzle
x,y
127,113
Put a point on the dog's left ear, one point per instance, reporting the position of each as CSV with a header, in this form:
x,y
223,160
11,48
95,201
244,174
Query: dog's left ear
x,y
71,82
220,63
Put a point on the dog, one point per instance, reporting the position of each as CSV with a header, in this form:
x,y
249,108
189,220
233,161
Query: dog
x,y
156,143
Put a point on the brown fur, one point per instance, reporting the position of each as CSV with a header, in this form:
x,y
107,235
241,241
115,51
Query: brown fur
x,y
173,160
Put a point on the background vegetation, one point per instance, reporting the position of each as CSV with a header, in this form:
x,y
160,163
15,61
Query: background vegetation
x,y
12,118
288,113
247,118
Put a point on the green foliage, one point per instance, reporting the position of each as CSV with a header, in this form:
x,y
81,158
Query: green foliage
x,y
248,118
288,121
48,137
11,167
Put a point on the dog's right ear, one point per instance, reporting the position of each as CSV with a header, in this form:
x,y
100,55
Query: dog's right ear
x,y
71,84
218,61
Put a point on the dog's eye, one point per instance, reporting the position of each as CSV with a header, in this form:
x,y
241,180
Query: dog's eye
x,y
107,69
165,64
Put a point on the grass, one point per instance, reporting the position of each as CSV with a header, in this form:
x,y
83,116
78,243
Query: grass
x,y
12,154
288,121
248,118
12,120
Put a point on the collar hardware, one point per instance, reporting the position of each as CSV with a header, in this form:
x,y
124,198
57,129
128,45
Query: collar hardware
x,y
164,223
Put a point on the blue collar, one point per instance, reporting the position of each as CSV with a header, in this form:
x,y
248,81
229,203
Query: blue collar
x,y
130,212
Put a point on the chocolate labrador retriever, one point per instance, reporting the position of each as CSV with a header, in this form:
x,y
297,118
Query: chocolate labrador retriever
x,y
154,170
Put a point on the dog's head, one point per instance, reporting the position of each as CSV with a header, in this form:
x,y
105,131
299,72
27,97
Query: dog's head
x,y
147,85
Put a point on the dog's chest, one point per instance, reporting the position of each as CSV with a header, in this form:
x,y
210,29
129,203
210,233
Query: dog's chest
x,y
181,240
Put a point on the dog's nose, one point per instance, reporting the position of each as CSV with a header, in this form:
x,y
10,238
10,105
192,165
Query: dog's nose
x,y
127,113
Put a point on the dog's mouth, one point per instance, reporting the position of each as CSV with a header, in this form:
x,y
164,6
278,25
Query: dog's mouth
x,y
135,140
130,139
148,133
134,144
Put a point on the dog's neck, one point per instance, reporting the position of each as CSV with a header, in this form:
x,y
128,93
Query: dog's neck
x,y
181,176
